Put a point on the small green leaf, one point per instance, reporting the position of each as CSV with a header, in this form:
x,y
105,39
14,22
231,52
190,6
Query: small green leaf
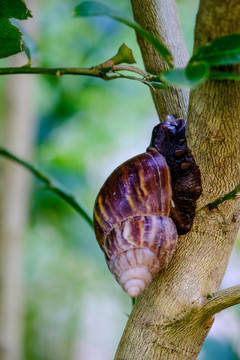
x,y
159,85
224,50
124,55
190,76
10,39
14,9
156,78
93,8
219,75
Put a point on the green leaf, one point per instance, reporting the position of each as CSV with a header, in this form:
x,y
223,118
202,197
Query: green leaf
x,y
124,55
190,76
224,50
10,39
93,8
159,85
10,36
219,75
14,9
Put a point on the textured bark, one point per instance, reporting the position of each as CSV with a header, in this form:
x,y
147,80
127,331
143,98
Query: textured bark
x,y
172,318
160,18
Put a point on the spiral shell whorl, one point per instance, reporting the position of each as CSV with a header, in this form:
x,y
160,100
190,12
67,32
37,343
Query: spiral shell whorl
x,y
135,280
134,269
138,248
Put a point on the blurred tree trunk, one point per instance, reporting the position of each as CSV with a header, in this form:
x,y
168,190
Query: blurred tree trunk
x,y
18,137
18,130
171,319
18,133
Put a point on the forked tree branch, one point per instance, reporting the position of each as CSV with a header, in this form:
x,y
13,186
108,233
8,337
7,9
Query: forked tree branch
x,y
107,74
108,70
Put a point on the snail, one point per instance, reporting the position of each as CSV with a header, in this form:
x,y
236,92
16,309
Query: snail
x,y
144,204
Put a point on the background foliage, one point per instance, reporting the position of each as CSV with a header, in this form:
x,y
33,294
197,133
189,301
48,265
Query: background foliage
x,y
84,127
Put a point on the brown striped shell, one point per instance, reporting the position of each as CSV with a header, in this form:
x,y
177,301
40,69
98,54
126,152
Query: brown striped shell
x,y
131,220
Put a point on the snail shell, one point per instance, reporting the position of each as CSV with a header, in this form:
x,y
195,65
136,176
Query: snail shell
x,y
132,210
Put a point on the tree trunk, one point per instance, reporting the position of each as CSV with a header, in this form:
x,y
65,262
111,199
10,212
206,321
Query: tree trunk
x,y
171,319
18,131
160,18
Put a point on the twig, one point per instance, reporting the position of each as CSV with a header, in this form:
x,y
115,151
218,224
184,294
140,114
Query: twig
x,y
221,300
94,71
50,185
223,198
130,68
121,76
97,71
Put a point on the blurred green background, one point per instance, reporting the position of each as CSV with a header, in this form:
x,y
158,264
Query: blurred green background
x,y
84,128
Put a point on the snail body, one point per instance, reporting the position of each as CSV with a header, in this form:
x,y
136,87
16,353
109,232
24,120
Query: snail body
x,y
144,204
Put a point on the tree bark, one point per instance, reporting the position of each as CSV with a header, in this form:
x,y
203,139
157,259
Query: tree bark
x,y
171,319
160,18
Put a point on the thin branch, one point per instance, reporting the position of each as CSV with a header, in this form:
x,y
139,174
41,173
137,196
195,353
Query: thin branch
x,y
130,68
94,71
50,185
136,79
221,300
223,198
97,71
